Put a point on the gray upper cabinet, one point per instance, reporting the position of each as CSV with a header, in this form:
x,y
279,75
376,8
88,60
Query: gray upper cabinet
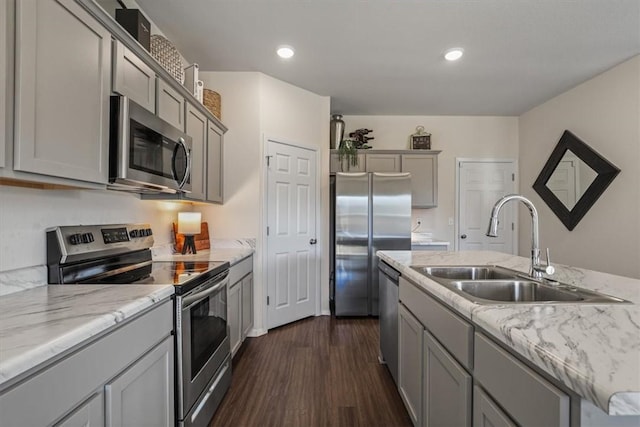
x,y
133,78
170,105
144,394
424,179
62,89
215,164
4,84
446,388
197,129
344,166
383,163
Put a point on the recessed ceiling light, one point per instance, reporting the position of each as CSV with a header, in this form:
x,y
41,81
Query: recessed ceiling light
x,y
453,54
285,52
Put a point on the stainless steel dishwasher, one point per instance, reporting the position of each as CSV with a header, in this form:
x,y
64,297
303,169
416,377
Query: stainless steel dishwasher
x,y
389,317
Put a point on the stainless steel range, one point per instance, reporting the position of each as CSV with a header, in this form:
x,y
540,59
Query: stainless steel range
x,y
120,254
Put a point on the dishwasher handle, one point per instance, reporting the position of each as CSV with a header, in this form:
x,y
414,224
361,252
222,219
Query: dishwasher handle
x,y
390,272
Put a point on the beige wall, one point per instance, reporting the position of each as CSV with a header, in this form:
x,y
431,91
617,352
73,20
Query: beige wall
x,y
457,136
254,106
605,113
26,213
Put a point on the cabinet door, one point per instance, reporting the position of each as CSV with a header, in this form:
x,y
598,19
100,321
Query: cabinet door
x,y
215,164
170,106
446,388
63,79
197,130
90,414
133,78
424,179
383,163
234,316
4,85
486,413
337,166
247,305
410,338
143,395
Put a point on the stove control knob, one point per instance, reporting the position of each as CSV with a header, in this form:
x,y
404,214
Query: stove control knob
x,y
133,233
149,232
141,232
75,239
87,238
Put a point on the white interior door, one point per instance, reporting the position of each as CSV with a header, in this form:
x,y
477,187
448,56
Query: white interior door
x,y
291,240
562,183
480,185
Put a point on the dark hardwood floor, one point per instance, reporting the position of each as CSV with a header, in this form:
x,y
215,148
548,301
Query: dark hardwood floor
x,y
320,371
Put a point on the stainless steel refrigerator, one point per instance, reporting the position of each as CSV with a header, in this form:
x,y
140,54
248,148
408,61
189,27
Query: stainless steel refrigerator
x,y
371,212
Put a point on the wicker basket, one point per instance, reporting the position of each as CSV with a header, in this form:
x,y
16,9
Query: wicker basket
x,y
168,56
212,101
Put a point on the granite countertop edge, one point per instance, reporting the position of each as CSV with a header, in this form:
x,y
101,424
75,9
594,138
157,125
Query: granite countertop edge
x,y
566,341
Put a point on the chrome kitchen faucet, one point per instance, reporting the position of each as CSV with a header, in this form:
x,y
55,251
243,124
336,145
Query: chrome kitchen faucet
x,y
537,268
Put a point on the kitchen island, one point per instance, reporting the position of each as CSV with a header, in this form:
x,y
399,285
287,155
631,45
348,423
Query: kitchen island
x,y
592,350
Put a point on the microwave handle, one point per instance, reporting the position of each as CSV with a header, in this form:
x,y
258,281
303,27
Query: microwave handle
x,y
173,166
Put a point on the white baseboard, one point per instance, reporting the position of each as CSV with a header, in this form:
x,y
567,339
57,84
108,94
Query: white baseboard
x,y
256,332
325,313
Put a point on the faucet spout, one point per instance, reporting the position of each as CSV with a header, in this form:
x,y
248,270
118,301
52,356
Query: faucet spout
x,y
536,269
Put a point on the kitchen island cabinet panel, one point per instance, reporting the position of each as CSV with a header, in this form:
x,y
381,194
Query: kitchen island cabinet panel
x,y
133,78
410,367
89,414
5,88
63,84
486,413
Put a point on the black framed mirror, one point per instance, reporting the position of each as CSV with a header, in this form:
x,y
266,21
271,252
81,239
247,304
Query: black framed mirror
x,y
573,178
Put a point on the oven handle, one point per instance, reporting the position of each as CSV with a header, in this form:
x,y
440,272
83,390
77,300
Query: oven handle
x,y
189,300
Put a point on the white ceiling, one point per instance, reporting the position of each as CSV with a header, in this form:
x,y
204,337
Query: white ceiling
x,y
384,57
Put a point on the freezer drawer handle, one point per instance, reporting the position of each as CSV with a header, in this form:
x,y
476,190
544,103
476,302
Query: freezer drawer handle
x,y
313,241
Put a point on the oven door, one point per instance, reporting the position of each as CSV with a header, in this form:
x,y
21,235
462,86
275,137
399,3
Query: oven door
x,y
148,152
202,334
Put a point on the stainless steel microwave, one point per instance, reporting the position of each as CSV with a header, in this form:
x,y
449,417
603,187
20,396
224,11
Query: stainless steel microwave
x,y
146,154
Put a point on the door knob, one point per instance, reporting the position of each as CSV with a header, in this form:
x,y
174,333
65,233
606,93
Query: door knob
x,y
313,241
464,236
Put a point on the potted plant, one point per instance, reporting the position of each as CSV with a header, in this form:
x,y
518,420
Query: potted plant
x,y
348,148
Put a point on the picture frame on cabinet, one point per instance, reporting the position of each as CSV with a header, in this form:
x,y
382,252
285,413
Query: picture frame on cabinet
x,y
420,140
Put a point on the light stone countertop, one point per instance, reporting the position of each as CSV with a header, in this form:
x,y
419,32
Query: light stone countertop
x,y
593,349
233,255
40,324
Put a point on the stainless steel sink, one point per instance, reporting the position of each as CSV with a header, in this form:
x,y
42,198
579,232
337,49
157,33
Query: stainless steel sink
x,y
499,285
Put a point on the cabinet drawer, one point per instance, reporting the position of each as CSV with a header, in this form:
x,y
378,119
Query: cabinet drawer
x,y
525,395
451,330
239,270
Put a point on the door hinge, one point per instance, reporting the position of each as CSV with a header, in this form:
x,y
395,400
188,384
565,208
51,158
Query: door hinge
x,y
268,160
513,177
513,226
267,231
267,300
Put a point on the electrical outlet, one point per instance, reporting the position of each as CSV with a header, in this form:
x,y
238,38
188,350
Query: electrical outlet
x,y
418,221
450,220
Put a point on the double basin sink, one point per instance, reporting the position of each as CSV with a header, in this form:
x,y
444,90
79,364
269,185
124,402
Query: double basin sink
x,y
499,285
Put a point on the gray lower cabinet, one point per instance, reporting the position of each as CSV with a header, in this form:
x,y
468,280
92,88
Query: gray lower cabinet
x,y
170,105
446,388
196,128
133,78
486,412
410,373
62,89
247,304
234,317
125,377
424,179
215,163
89,414
383,163
144,393
240,302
